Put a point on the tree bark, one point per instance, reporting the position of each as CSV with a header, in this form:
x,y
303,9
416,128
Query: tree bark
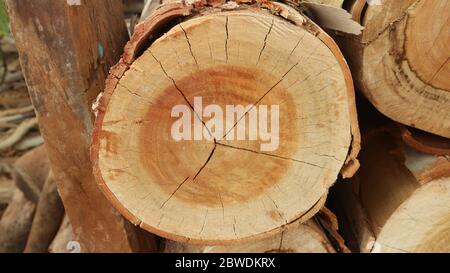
x,y
222,189
401,62
66,49
398,201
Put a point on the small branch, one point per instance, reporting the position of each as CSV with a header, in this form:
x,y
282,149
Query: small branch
x,y
17,135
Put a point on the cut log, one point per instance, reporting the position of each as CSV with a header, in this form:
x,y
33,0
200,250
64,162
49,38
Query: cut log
x,y
65,65
401,62
15,224
399,200
47,219
225,186
308,237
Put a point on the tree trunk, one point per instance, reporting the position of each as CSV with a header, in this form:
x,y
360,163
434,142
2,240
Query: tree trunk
x,y
308,237
401,62
225,186
66,49
399,200
47,219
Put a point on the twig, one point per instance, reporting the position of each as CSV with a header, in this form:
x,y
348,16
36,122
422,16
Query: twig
x,y
16,111
17,135
16,118
29,143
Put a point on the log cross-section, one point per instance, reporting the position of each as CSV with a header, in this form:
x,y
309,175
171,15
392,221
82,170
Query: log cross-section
x,y
401,62
209,183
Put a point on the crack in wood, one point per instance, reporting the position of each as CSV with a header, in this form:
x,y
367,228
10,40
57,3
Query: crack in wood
x,y
402,17
206,163
271,155
176,190
259,100
280,246
277,209
189,44
204,222
227,37
265,41
182,94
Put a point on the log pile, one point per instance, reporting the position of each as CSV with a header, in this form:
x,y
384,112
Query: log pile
x,y
398,201
229,126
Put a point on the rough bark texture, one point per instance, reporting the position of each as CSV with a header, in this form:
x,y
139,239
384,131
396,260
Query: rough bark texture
x,y
66,49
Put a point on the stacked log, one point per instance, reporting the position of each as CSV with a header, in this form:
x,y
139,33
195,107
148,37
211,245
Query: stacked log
x,y
398,201
220,190
401,61
225,124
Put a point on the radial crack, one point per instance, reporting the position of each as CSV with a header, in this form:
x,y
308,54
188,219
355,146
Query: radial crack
x,y
189,44
226,40
179,187
182,94
271,155
265,40
259,100
281,241
204,222
206,163
278,209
